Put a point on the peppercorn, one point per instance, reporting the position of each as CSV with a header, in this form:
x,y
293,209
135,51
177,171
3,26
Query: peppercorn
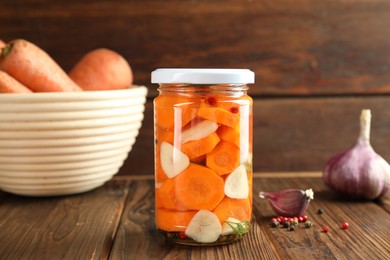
x,y
294,222
182,235
308,224
275,223
344,225
305,218
286,224
320,211
325,229
292,227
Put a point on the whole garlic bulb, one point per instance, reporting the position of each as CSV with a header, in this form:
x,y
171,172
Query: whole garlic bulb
x,y
359,171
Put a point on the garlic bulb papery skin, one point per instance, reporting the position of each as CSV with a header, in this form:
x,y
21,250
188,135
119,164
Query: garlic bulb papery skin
x,y
359,171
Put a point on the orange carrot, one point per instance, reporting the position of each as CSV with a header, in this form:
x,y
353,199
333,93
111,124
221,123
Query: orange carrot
x,y
173,221
224,158
198,187
10,85
34,68
234,208
228,134
173,110
195,149
166,195
219,115
102,69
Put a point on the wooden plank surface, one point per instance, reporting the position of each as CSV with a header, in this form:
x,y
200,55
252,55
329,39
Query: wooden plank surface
x,y
291,134
138,238
68,227
366,238
295,47
117,222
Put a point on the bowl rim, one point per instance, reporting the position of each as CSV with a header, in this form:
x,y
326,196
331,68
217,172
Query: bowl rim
x,y
83,95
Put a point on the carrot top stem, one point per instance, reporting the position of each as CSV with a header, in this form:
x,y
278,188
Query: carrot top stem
x,y
5,50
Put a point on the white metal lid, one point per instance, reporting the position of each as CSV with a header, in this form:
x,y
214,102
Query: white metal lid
x,y
203,76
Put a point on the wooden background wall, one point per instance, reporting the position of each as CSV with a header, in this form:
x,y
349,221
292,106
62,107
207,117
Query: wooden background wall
x,y
317,63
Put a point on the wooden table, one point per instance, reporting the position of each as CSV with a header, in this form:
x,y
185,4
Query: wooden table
x,y
116,221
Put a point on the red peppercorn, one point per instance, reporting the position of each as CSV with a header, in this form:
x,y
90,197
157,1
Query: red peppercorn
x,y
325,229
300,219
234,110
212,101
280,219
182,235
290,220
274,220
345,225
305,218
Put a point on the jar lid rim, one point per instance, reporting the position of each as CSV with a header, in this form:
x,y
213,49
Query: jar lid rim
x,y
203,76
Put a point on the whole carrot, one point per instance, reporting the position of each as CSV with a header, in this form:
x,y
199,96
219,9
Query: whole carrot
x,y
34,68
10,85
102,69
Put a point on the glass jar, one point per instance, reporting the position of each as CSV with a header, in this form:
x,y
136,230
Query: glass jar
x,y
203,154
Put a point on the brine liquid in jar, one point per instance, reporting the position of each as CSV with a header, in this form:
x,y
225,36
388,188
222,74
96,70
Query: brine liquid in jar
x,y
203,154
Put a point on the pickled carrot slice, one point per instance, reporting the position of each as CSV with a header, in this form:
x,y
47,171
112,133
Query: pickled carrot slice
x,y
171,110
198,187
169,220
228,134
195,149
234,208
224,158
219,115
166,196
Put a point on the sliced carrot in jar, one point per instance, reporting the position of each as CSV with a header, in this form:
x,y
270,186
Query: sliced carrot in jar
x,y
173,110
228,134
224,158
219,115
233,208
198,187
195,149
173,221
166,195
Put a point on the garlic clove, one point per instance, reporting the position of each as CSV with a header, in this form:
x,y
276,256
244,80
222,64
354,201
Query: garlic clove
x,y
204,227
359,171
289,202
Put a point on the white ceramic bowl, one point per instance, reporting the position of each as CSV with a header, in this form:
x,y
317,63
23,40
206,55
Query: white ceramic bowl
x,y
66,143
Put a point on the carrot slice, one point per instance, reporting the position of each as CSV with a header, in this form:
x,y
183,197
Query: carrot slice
x,y
176,221
234,208
174,110
166,196
219,115
195,149
198,187
224,158
228,134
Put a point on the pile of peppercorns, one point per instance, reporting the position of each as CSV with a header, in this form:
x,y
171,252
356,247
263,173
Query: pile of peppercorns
x,y
291,223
